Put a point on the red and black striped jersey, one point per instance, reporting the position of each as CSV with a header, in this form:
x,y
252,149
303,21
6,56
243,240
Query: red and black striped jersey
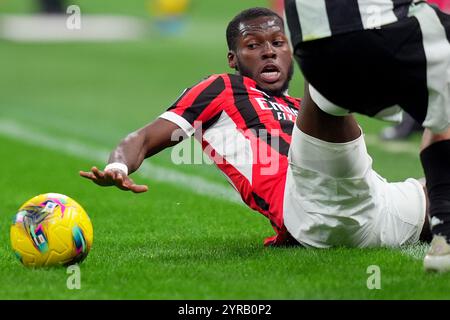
x,y
247,133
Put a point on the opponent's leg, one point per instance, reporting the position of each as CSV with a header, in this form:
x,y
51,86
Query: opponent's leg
x,y
426,235
435,158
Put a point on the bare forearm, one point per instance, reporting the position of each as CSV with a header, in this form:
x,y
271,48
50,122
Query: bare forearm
x,y
130,152
145,143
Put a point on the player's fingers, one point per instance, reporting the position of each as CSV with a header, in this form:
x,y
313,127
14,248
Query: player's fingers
x,y
99,174
129,185
138,188
87,175
118,178
93,177
121,181
110,176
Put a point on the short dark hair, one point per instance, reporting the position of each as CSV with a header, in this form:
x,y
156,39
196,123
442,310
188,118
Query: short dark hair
x,y
246,15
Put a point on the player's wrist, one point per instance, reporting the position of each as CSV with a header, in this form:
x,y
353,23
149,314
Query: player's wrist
x,y
117,166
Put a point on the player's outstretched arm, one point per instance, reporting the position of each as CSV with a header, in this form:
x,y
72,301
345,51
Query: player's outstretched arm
x,y
131,152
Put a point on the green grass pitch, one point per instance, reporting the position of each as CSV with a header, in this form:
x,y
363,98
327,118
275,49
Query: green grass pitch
x,y
63,105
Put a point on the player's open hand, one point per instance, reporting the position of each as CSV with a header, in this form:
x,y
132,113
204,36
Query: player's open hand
x,y
113,178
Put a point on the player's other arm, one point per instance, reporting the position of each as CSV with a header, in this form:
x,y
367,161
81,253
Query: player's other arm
x,y
131,152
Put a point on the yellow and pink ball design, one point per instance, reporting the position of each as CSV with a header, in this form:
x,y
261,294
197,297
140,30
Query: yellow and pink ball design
x,y
50,230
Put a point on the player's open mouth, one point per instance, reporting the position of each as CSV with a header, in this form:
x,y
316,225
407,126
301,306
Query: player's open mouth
x,y
270,73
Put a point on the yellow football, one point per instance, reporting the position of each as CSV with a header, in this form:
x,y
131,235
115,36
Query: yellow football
x,y
51,229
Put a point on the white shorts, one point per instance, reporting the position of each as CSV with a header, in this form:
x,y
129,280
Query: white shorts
x,y
333,197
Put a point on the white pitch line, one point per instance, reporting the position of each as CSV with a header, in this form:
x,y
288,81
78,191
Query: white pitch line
x,y
15,130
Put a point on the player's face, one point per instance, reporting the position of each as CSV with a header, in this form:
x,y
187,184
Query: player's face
x,y
263,54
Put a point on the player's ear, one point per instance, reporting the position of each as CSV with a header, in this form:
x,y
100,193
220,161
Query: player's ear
x,y
232,59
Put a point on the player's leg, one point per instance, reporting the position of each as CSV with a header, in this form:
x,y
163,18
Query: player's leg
x,y
321,125
435,158
435,154
322,147
333,197
426,235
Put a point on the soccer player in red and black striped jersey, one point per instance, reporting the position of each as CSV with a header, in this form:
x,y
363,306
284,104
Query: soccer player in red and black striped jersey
x,y
244,122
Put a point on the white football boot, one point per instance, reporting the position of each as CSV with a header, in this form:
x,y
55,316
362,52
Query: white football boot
x,y
438,256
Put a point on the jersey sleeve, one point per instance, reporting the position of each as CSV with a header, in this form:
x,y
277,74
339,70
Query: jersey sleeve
x,y
198,105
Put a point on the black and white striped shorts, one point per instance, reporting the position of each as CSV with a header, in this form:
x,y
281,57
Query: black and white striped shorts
x,y
405,64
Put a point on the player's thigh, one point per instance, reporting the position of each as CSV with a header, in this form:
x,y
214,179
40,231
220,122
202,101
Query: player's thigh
x,y
333,197
329,199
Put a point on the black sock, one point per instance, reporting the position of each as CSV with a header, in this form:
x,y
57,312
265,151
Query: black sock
x,y
436,164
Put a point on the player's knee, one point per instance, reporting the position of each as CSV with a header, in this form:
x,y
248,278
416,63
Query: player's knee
x,y
430,138
319,124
